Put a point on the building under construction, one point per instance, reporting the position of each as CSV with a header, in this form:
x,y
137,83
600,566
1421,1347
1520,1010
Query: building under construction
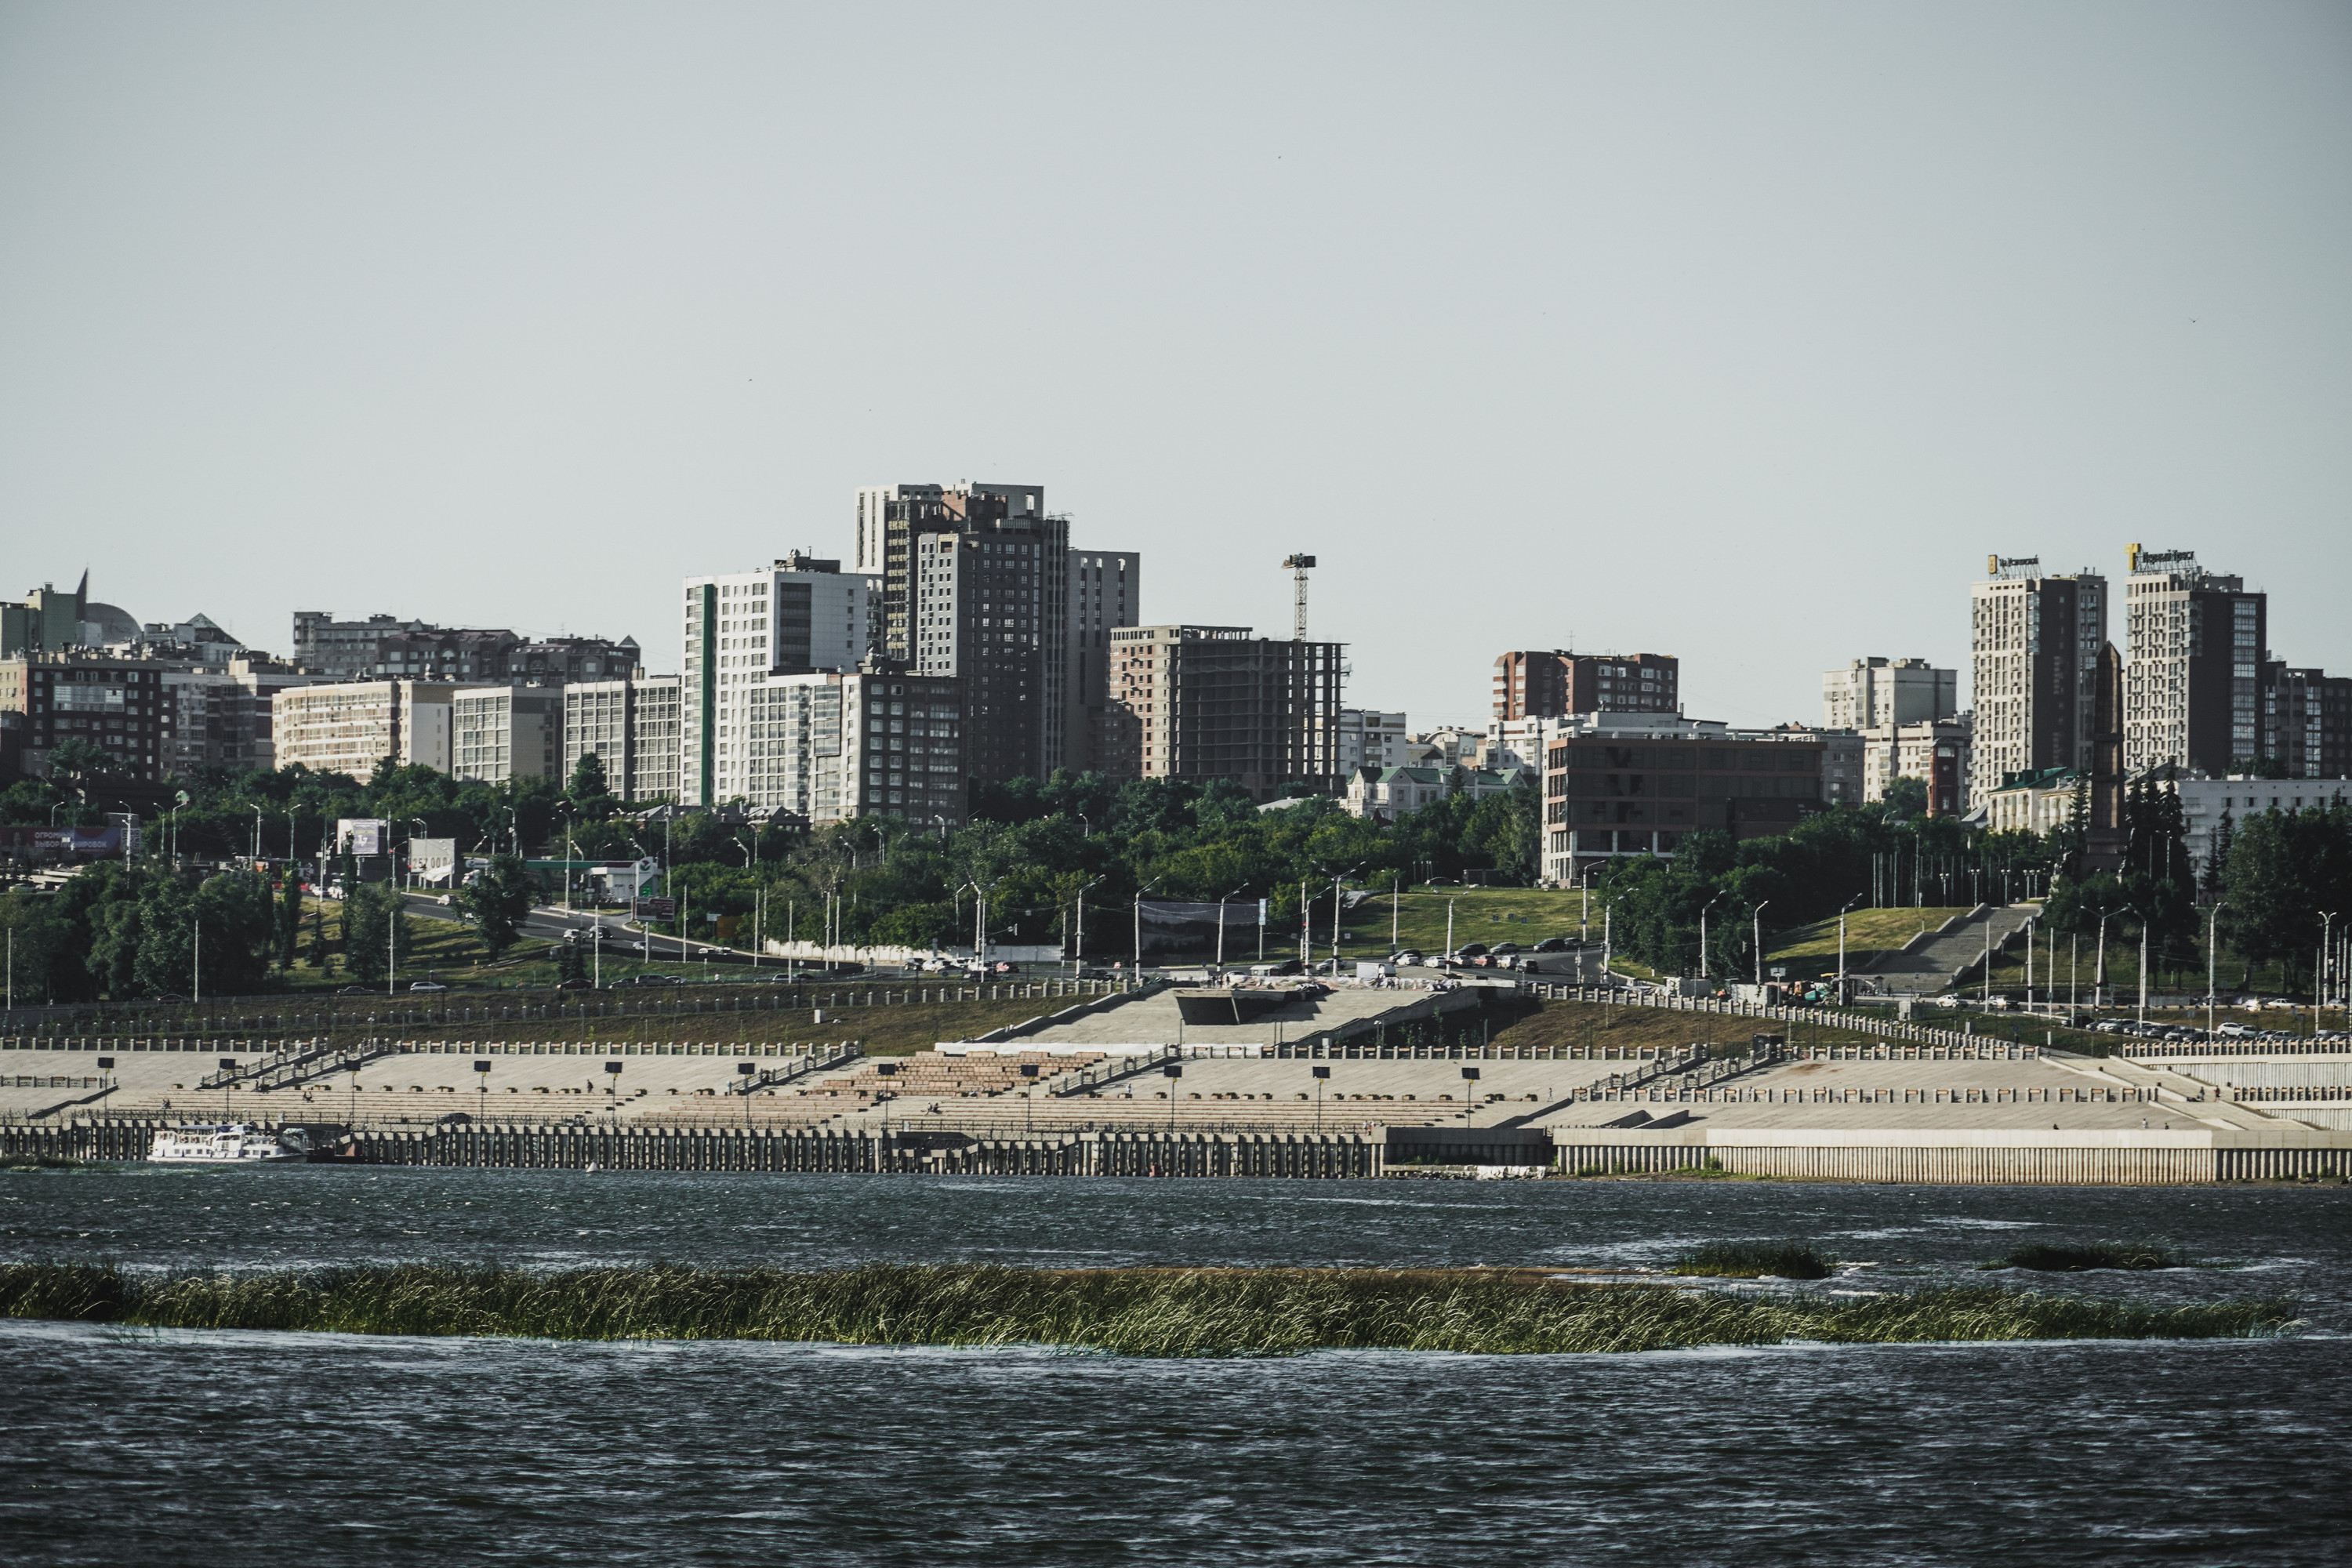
x,y
1216,702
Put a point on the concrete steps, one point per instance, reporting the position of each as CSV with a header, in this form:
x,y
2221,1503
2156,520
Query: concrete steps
x,y
1935,965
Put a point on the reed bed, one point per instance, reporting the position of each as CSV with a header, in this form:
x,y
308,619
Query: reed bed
x,y
1752,1260
2076,1259
1130,1311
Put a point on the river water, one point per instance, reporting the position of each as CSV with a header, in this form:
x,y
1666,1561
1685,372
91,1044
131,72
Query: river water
x,y
142,1447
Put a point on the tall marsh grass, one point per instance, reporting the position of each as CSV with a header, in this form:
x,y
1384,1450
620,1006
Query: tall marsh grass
x,y
2058,1259
1752,1260
1133,1311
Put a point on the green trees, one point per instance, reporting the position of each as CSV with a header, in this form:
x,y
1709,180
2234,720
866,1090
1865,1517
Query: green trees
x,y
2286,869
120,935
375,932
498,901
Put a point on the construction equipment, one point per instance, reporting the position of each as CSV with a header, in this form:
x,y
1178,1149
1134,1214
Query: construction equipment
x,y
1298,566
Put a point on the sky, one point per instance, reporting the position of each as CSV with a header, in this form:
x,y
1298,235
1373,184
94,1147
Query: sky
x,y
1739,332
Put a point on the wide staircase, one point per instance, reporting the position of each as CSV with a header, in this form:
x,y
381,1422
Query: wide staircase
x,y
1935,965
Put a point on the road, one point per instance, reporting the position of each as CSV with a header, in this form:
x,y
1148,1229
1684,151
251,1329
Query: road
x,y
553,923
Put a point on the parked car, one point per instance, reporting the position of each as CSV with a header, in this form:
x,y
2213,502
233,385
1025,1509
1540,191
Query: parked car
x,y
576,985
1408,956
427,986
1552,944
1470,950
1503,947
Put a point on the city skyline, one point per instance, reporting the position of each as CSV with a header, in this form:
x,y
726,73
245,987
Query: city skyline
x,y
1561,329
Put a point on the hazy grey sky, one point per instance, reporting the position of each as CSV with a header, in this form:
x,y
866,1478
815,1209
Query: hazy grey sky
x,y
1741,332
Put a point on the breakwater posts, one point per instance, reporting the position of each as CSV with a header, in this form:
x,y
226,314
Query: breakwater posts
x,y
2020,1165
823,1150
812,1151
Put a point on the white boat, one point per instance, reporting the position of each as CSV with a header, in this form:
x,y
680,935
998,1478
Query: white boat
x,y
218,1143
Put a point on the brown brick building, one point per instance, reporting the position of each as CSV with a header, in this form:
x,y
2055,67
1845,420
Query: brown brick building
x,y
1619,790
1534,685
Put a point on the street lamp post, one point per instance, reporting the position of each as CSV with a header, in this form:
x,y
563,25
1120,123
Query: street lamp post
x,y
2099,967
1223,899
1842,914
1138,926
2212,967
1078,960
1702,933
2319,973
2143,964
1756,917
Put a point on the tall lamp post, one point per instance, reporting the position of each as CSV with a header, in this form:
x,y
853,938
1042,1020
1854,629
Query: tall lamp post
x,y
1223,899
1842,914
1701,934
2212,966
1079,951
1757,917
1138,926
2319,974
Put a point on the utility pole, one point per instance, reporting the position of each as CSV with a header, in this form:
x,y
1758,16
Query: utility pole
x,y
1298,566
1757,916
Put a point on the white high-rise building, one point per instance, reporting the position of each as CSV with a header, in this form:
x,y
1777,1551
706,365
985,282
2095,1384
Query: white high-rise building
x,y
1370,739
2035,643
834,747
502,732
1872,693
632,724
797,615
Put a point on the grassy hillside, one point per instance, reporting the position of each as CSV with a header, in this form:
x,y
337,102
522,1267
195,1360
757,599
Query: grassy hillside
x,y
1523,915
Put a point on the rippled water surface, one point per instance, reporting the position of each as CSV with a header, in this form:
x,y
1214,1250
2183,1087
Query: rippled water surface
x,y
143,1447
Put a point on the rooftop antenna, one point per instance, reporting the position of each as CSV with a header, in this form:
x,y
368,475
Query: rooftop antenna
x,y
1298,566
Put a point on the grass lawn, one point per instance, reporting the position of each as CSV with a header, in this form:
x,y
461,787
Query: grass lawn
x,y
1523,915
1867,932
1600,1023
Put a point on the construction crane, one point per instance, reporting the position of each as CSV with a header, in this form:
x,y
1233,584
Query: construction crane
x,y
1298,566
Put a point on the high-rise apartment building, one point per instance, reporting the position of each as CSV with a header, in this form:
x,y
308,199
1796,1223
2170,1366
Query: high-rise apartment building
x,y
1369,739
833,747
2307,722
223,716
1534,685
502,732
976,587
633,726
114,703
798,615
1106,592
1872,693
1212,702
2192,676
348,726
2034,640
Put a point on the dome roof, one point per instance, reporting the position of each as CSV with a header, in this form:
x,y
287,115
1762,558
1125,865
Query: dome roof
x,y
104,623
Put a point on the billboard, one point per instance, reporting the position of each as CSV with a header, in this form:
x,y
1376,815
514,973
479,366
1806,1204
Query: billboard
x,y
363,835
1171,927
433,860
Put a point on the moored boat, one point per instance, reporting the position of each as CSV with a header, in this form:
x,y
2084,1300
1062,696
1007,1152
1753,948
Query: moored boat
x,y
218,1143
